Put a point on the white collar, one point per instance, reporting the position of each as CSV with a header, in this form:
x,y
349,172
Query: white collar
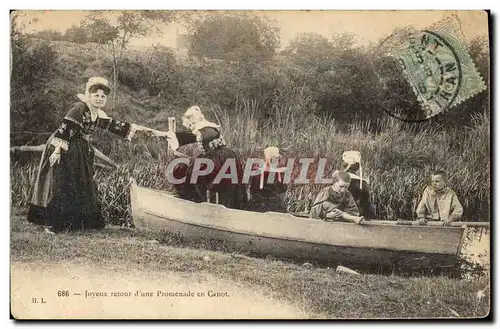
x,y
354,176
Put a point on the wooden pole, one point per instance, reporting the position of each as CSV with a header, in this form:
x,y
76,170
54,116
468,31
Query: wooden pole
x,y
28,148
360,175
40,148
171,124
172,128
104,158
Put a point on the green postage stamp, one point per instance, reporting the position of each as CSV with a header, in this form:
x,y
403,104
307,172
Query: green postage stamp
x,y
438,67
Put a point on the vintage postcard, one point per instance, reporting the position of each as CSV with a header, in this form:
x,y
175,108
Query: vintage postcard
x,y
250,164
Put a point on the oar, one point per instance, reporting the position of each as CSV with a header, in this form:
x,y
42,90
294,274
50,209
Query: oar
x,y
104,158
405,222
439,223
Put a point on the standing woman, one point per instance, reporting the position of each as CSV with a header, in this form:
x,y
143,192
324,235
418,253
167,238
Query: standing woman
x,y
65,194
210,140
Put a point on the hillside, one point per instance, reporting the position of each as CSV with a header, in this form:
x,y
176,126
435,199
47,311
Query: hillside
x,y
78,62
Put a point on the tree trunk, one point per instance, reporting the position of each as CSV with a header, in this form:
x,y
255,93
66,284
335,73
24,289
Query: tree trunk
x,y
115,73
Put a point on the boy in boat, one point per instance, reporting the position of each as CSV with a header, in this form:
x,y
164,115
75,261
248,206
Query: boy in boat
x,y
439,202
336,202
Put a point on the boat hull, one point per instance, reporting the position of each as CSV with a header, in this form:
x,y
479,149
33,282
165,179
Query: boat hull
x,y
285,236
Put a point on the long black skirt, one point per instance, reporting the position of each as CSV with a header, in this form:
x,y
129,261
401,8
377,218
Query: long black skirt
x,y
232,194
65,195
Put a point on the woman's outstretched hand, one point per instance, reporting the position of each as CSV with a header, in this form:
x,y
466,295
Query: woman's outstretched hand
x,y
173,143
55,157
168,134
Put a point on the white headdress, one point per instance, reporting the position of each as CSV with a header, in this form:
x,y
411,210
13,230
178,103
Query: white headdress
x,y
351,158
97,81
197,119
94,81
271,152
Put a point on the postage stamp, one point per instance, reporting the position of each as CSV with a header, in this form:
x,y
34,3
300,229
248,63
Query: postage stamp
x,y
437,65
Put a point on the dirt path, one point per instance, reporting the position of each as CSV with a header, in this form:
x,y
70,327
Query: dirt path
x,y
221,299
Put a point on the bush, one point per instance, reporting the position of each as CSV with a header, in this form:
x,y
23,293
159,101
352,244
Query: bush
x,y
133,74
32,70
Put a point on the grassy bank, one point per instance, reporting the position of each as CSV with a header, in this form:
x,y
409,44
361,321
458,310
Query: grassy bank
x,y
320,292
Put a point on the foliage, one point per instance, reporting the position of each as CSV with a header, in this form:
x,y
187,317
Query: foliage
x,y
117,36
99,29
162,73
48,35
76,34
338,75
32,68
234,37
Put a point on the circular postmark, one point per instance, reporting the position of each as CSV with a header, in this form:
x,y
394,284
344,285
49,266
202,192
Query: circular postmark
x,y
420,72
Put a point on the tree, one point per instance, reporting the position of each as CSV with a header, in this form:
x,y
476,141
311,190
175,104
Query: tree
x,y
309,50
76,34
335,72
99,29
32,67
116,36
233,37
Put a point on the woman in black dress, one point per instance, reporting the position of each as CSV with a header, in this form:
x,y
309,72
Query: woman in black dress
x,y
211,142
360,191
65,193
268,194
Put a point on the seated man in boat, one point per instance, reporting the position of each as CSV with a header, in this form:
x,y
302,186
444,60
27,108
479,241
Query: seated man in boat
x,y
264,194
439,202
336,202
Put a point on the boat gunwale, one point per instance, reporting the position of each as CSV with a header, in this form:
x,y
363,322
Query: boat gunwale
x,y
294,239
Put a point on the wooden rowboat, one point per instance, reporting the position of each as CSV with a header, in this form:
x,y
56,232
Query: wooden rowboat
x,y
284,236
